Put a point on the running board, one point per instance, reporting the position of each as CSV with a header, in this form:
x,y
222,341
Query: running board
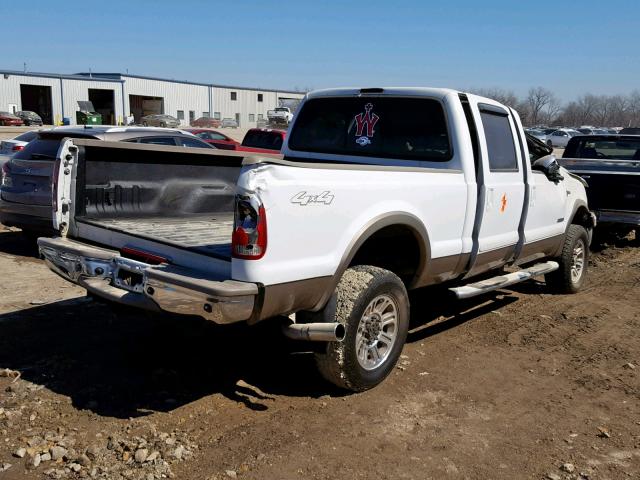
x,y
501,281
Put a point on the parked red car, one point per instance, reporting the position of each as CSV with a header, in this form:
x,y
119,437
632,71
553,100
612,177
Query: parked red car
x,y
206,122
263,140
217,139
9,120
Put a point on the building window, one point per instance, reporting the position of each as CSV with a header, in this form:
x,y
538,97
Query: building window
x,y
234,95
205,114
259,97
260,116
180,114
252,117
217,115
192,116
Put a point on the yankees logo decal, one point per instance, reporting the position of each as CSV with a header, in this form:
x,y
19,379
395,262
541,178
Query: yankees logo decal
x,y
368,120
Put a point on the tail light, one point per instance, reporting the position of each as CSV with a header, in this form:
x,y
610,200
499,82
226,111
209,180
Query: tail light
x,y
6,175
17,148
249,238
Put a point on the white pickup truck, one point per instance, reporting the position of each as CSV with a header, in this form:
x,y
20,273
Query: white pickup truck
x,y
377,191
281,116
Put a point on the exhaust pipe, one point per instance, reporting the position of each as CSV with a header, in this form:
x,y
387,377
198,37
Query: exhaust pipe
x,y
315,332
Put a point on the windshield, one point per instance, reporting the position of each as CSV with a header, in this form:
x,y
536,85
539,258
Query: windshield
x,y
281,109
388,127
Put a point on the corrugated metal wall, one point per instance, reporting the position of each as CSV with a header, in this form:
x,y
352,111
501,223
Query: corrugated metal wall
x,y
246,104
176,96
10,90
72,90
75,90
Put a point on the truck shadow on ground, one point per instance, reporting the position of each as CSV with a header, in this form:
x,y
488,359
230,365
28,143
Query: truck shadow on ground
x,y
123,363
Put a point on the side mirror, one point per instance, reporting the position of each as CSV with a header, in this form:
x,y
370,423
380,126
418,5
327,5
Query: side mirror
x,y
549,166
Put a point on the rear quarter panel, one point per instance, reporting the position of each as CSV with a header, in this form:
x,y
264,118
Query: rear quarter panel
x,y
308,237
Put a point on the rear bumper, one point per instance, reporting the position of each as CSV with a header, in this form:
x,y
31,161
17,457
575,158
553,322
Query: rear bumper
x,y
34,217
106,274
618,216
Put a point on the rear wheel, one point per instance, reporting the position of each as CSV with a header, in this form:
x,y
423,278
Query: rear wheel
x,y
373,305
145,124
163,125
550,143
573,261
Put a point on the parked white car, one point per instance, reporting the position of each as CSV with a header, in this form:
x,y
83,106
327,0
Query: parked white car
x,y
379,191
11,147
561,137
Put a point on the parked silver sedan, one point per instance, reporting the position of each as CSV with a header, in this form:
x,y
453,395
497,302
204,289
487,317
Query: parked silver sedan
x,y
10,147
161,120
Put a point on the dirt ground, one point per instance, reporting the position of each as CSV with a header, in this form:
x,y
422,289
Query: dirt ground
x,y
521,384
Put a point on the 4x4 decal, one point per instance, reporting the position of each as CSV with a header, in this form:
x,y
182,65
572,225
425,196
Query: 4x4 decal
x,y
304,198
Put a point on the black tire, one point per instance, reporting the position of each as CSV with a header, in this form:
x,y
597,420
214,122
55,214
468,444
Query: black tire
x,y
566,279
145,124
356,291
163,125
550,143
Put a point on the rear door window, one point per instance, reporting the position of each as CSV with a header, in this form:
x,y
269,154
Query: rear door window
x,y
409,128
500,145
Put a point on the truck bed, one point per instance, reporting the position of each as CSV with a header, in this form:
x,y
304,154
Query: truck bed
x,y
179,197
206,234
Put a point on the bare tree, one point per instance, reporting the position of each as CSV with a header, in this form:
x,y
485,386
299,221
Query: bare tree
x,y
540,104
506,97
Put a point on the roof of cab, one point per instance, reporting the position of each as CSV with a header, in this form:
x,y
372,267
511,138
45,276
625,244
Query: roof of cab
x,y
410,91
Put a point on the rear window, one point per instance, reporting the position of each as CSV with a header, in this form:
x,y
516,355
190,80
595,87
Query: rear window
x,y
39,149
398,128
27,136
268,140
604,148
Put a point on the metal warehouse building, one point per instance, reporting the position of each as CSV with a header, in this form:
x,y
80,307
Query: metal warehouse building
x,y
55,97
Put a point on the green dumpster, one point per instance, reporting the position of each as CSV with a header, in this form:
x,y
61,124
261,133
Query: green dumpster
x,y
87,115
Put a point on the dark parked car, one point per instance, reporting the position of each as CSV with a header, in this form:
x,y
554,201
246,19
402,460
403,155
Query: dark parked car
x,y
29,118
8,119
160,121
206,122
25,190
610,164
630,131
217,139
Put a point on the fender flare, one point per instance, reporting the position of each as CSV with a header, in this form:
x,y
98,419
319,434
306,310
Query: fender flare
x,y
578,204
366,232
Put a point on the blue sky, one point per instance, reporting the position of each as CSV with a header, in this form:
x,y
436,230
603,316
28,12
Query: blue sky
x,y
568,47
